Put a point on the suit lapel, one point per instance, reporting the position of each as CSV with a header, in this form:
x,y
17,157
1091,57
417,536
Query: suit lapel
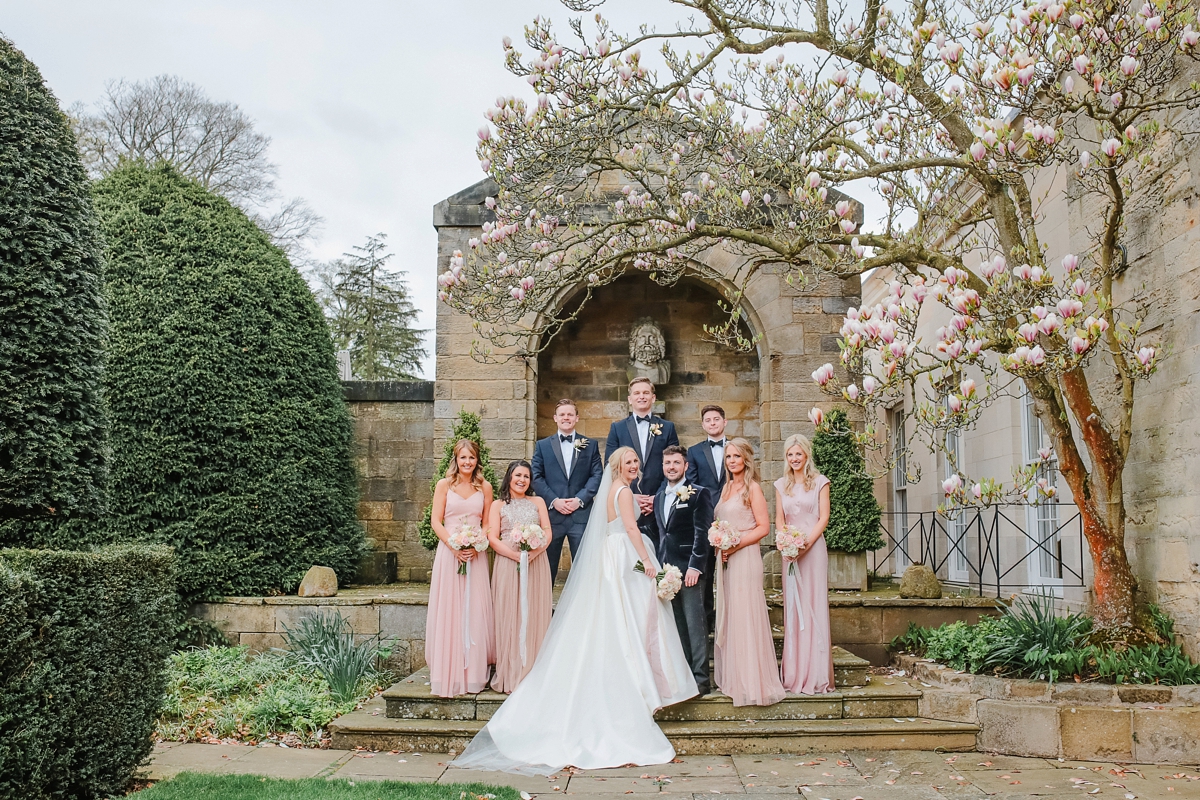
x,y
660,504
558,456
637,440
669,511
712,462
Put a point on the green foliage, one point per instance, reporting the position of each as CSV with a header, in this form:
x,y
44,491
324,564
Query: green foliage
x,y
371,314
467,427
52,319
854,513
225,693
325,643
191,786
230,437
1028,640
84,639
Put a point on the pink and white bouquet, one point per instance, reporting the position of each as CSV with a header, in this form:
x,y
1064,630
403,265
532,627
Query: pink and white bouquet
x,y
468,536
722,536
790,542
527,537
669,580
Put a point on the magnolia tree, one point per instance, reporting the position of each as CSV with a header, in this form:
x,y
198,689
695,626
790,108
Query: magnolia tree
x,y
738,130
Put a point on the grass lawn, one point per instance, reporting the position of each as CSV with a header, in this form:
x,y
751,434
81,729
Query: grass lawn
x,y
192,786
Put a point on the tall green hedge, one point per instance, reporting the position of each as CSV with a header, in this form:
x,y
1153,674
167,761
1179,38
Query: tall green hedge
x,y
231,439
854,512
466,427
84,640
52,318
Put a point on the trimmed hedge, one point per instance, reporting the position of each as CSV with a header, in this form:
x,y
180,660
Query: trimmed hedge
x,y
52,318
84,640
854,513
231,440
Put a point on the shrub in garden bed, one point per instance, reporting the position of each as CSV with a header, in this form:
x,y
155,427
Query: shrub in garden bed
x,y
226,693
84,638
1030,641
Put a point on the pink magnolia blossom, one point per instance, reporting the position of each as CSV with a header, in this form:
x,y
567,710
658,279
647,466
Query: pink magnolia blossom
x,y
847,225
1039,312
1189,38
1085,159
813,180
1068,85
1068,307
1082,64
816,416
485,133
1049,325
1153,24
974,346
1044,453
518,293
954,403
951,485
1076,21
823,374
1116,99
1022,272
1079,345
527,282
1145,356
1129,65
896,349
870,384
954,349
745,197
851,392
977,491
766,199
1028,332
1070,262
978,151
842,208
967,387
1080,287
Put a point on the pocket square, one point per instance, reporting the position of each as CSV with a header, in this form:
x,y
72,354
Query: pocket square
x,y
680,505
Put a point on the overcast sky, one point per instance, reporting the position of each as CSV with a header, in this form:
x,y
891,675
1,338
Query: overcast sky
x,y
372,106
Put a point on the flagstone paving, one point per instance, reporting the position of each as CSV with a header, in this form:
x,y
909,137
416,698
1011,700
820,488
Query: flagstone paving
x,y
848,775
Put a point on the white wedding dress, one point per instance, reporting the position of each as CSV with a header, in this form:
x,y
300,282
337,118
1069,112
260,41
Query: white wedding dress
x,y
610,659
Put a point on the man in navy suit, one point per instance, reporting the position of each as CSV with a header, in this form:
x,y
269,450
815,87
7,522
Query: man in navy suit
x,y
683,512
648,435
706,467
566,474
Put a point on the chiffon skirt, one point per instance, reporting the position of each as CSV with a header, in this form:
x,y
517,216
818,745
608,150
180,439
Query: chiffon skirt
x,y
744,655
460,640
506,603
807,650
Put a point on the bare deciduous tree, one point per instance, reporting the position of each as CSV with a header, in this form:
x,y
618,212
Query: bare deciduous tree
x,y
168,119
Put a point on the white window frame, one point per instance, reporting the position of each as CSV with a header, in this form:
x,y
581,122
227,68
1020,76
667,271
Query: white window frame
x,y
1041,519
900,560
957,569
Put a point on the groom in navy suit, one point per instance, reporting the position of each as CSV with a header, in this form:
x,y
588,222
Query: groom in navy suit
x,y
706,467
566,474
648,435
684,512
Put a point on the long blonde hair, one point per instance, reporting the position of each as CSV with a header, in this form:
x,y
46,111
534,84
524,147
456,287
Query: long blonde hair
x,y
810,473
614,462
456,477
750,474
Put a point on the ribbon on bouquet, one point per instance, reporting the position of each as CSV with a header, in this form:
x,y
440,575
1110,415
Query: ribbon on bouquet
x,y
791,589
720,632
653,641
523,592
467,642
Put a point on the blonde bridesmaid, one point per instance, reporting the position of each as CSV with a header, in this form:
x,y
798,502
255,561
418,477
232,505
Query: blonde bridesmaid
x,y
802,501
744,658
459,635
516,507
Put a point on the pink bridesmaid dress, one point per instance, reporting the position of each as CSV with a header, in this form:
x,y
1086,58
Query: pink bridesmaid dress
x,y
807,649
744,655
459,637
511,669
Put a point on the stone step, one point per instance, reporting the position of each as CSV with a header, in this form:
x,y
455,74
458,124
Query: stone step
x,y
369,728
410,699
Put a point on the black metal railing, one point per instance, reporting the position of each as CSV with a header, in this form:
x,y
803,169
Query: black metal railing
x,y
988,549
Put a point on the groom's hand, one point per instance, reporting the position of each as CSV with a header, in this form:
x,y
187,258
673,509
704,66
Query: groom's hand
x,y
692,577
566,505
645,503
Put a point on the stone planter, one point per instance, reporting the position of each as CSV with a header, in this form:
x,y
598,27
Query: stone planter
x,y
847,571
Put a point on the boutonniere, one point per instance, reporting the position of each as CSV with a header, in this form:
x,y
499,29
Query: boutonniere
x,y
655,429
684,493
581,443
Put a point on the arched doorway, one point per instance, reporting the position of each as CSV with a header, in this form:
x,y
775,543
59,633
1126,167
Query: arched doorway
x,y
587,361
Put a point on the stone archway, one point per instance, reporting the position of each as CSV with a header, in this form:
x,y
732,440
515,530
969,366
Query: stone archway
x,y
588,358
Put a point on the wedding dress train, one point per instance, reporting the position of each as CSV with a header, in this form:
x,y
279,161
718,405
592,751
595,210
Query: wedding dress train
x,y
611,658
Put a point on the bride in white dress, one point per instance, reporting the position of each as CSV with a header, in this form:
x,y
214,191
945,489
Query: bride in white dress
x,y
611,657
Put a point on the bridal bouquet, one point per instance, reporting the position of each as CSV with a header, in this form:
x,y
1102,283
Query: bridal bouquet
x,y
528,537
722,536
790,541
468,536
669,580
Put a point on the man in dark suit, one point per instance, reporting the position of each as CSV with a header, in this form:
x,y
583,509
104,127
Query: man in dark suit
x,y
648,435
566,474
706,467
683,512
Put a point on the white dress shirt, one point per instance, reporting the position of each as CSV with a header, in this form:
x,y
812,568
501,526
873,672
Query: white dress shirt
x,y
718,454
643,429
567,449
672,497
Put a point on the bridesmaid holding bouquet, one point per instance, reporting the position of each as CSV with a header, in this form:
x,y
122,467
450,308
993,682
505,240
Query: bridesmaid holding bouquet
x,y
459,636
802,503
522,608
744,658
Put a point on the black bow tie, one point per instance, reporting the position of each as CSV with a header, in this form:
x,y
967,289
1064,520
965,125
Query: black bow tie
x,y
641,419
565,438
717,443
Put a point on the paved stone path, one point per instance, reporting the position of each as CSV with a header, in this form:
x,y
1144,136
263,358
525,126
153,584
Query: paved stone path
x,y
849,775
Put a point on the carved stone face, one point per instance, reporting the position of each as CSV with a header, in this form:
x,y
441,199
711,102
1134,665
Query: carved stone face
x,y
647,345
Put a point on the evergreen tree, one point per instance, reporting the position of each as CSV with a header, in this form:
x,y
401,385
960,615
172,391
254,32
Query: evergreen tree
x,y
231,440
854,513
467,427
52,319
372,315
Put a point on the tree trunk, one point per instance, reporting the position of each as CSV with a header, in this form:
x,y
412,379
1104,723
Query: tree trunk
x,y
1113,584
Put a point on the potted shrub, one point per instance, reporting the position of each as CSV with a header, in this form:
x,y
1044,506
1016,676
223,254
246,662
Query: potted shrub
x,y
854,512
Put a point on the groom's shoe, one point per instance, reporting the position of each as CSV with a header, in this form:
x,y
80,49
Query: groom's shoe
x,y
704,689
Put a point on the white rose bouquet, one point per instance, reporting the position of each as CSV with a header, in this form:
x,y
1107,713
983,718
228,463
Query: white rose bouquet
x,y
468,536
